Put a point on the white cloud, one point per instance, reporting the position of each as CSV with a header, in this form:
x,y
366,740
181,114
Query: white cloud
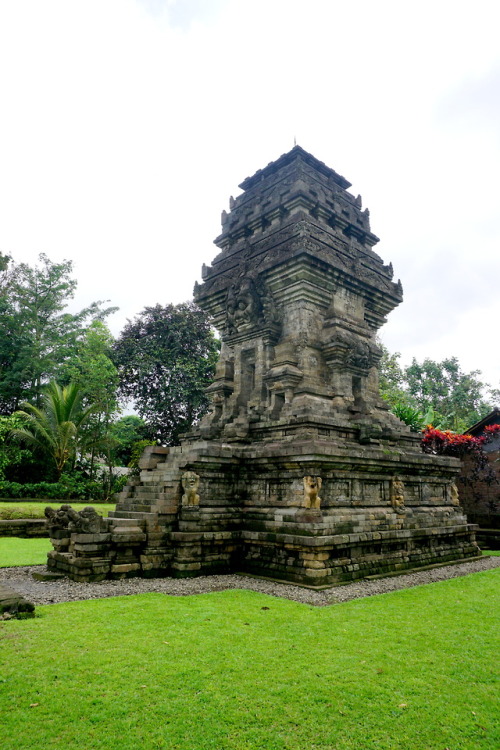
x,y
126,126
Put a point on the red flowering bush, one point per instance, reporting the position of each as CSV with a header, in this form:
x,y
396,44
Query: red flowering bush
x,y
448,443
491,431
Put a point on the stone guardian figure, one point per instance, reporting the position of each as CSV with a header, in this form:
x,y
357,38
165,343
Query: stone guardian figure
x,y
190,484
312,486
398,495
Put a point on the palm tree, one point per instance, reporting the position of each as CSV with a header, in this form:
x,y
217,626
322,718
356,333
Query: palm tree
x,y
54,426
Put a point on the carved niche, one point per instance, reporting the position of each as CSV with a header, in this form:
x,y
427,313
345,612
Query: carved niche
x,y
243,306
348,351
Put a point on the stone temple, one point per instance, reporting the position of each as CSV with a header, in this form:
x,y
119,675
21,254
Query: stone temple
x,y
299,471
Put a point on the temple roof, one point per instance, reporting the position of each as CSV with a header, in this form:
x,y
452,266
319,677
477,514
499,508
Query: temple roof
x,y
295,153
492,418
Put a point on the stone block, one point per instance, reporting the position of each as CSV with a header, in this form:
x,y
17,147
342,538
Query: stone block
x,y
91,550
47,576
58,533
90,538
124,539
312,573
61,544
13,604
181,566
125,568
315,564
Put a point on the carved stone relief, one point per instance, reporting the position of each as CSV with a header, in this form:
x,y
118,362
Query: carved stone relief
x,y
398,495
190,483
86,521
312,486
249,303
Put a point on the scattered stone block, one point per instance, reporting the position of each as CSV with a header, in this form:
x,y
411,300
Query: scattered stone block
x,y
13,604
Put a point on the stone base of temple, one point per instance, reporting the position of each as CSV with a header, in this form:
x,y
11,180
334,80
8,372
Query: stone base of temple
x,y
312,513
340,561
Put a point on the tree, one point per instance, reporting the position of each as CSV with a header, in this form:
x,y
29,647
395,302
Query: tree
x,y
16,462
93,371
125,433
11,341
5,272
391,377
37,334
166,358
458,397
53,428
434,392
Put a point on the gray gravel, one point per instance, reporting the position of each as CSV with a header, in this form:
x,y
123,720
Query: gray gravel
x,y
64,590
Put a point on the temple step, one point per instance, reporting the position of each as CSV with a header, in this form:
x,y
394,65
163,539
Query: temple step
x,y
131,514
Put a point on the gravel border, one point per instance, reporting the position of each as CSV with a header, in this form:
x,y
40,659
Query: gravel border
x,y
65,590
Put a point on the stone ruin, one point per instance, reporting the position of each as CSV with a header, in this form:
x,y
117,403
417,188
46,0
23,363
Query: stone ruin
x,y
299,472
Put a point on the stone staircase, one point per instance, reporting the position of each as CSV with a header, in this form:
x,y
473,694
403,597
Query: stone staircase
x,y
157,491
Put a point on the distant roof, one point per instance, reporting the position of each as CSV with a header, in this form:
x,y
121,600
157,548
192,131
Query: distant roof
x,y
492,418
285,159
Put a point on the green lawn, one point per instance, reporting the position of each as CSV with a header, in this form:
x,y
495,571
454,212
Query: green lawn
x,y
35,508
237,670
16,551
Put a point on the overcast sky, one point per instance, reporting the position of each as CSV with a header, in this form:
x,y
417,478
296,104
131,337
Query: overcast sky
x,y
125,125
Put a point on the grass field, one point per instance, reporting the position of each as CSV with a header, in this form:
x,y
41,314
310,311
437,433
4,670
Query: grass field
x,y
237,670
15,551
35,508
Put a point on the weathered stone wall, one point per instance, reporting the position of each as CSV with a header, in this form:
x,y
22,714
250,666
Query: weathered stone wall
x,y
27,528
364,515
480,499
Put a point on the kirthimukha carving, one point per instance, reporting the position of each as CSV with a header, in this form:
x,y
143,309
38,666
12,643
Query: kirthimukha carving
x,y
249,303
243,305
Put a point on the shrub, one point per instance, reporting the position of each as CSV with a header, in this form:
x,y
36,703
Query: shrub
x,y
17,463
69,487
409,415
448,443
